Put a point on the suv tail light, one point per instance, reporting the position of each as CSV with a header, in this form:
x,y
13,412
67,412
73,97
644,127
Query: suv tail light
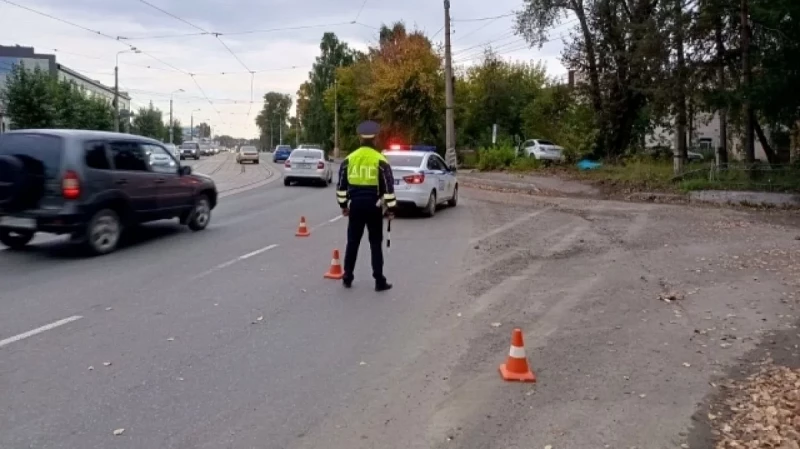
x,y
417,178
287,164
320,165
71,186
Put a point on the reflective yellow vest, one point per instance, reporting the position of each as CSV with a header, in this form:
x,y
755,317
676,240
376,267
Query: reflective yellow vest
x,y
362,167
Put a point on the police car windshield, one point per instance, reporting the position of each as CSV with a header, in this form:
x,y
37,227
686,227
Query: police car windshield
x,y
311,154
402,160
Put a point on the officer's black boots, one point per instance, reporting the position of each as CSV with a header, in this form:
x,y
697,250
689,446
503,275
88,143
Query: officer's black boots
x,y
347,283
382,286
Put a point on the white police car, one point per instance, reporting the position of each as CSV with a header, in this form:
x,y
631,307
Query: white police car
x,y
421,178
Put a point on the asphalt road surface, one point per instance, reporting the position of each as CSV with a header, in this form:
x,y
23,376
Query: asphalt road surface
x,y
231,338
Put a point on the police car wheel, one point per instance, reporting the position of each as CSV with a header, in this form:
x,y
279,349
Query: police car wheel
x,y
286,181
430,208
453,202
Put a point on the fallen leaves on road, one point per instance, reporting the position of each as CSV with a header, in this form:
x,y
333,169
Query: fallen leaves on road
x,y
106,363
765,412
671,296
118,432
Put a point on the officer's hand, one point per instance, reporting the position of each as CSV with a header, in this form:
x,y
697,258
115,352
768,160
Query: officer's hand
x,y
345,212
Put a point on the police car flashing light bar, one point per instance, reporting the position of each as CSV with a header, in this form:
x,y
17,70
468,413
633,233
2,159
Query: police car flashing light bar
x,y
397,147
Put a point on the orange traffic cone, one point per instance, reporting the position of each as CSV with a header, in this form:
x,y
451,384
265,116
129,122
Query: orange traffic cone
x,y
335,271
302,230
516,366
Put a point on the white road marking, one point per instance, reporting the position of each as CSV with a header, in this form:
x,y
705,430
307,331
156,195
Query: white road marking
x,y
39,330
257,252
509,225
233,261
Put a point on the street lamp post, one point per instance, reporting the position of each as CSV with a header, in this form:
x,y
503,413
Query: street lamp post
x,y
191,125
116,85
170,115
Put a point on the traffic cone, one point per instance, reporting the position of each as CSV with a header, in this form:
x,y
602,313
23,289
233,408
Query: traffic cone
x,y
302,230
516,366
335,271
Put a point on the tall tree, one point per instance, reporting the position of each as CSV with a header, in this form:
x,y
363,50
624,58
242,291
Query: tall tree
x,y
318,120
271,121
621,48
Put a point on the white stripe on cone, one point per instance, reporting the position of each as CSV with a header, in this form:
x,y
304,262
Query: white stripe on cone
x,y
516,352
335,262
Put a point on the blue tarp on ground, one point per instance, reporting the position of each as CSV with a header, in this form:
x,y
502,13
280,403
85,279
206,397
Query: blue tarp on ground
x,y
586,164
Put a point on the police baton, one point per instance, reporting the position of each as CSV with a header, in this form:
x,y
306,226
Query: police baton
x,y
389,235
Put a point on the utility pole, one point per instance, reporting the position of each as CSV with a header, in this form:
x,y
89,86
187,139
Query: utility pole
x,y
450,132
335,117
280,130
116,96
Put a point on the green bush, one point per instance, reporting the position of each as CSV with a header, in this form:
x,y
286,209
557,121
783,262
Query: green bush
x,y
525,164
497,158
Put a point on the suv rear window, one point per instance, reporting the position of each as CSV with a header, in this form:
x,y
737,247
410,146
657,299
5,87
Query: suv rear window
x,y
41,153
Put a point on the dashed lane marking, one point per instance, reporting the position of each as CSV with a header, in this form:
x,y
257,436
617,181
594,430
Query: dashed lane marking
x,y
39,330
233,261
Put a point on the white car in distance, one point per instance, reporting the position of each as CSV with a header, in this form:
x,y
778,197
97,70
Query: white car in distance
x,y
309,165
543,150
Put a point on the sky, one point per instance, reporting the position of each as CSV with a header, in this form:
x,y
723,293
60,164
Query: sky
x,y
277,39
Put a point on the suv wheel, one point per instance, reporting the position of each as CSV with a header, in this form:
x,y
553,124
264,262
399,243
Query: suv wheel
x,y
15,239
201,214
430,208
103,232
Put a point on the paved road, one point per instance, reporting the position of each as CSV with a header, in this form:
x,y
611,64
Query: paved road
x,y
230,338
225,338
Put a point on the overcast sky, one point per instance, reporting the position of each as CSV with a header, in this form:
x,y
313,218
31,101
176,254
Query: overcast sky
x,y
281,58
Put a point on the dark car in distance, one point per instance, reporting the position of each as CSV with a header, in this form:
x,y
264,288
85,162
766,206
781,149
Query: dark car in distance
x,y
92,185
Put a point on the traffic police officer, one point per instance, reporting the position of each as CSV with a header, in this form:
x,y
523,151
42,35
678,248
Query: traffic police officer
x,y
365,185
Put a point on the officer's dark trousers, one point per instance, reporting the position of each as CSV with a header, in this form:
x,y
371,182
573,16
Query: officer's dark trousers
x,y
364,214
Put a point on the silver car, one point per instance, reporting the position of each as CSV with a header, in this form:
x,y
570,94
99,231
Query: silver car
x,y
249,154
307,165
422,180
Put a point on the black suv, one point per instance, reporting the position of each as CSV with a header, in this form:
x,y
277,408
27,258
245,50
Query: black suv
x,y
91,185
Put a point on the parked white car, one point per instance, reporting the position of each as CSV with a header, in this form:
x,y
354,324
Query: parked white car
x,y
543,150
307,165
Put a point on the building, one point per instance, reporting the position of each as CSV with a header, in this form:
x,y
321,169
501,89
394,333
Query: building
x,y
11,56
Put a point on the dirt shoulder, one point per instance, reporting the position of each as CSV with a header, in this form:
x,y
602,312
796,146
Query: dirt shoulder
x,y
572,184
633,316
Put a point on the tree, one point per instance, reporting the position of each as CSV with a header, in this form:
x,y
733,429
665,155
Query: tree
x,y
399,83
497,92
316,118
203,130
35,99
177,132
149,122
27,97
272,118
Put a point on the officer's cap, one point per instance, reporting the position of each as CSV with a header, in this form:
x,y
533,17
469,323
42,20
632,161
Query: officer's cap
x,y
368,129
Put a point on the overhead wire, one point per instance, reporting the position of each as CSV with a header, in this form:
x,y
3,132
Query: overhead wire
x,y
360,10
203,30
